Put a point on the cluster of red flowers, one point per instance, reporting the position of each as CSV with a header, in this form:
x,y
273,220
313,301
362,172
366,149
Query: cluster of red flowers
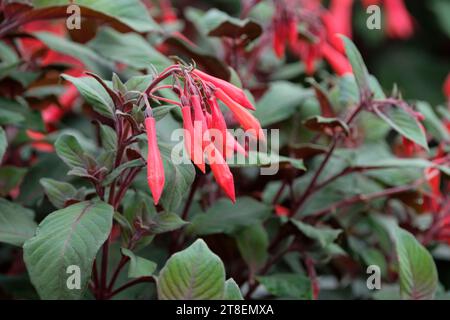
x,y
206,137
320,26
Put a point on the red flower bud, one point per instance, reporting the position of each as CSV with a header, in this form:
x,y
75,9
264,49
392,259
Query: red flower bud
x,y
245,118
221,171
155,167
234,92
192,141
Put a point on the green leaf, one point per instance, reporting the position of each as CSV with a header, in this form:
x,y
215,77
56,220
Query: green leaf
x,y
288,285
3,143
118,171
263,159
10,177
217,23
131,13
324,236
94,94
129,48
359,68
232,291
139,267
328,126
92,60
165,222
404,123
70,151
253,244
160,112
179,178
13,112
16,223
67,237
195,273
280,102
418,274
226,217
108,137
58,192
432,122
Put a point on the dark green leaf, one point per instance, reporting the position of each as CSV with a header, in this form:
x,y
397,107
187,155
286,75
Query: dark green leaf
x,y
359,68
139,267
10,177
70,151
253,243
280,102
16,223
58,192
226,217
94,94
130,13
404,123
217,23
287,285
67,237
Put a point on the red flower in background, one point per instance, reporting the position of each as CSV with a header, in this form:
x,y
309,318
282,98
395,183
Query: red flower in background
x,y
319,39
399,21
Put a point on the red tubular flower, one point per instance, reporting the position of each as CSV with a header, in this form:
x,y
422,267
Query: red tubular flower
x,y
218,123
192,142
245,118
232,91
221,171
155,167
338,61
399,21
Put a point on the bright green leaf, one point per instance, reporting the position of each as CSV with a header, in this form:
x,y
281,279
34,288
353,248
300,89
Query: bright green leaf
x,y
195,273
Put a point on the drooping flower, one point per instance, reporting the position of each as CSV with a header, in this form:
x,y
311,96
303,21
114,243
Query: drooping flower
x,y
155,167
221,171
192,140
245,118
205,130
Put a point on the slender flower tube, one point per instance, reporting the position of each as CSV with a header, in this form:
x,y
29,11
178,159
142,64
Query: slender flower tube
x,y
221,171
399,21
193,144
245,118
155,167
232,91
